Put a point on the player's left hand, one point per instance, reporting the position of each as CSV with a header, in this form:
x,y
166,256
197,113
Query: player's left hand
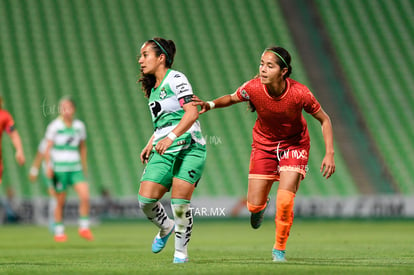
x,y
163,145
328,166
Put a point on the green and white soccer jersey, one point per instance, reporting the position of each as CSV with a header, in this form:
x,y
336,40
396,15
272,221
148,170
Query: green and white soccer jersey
x,y
166,103
65,152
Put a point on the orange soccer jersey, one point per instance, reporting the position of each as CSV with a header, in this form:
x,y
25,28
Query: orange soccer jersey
x,y
280,123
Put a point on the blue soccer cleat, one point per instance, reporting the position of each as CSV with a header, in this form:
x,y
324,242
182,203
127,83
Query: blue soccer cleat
x,y
256,219
278,255
159,243
180,260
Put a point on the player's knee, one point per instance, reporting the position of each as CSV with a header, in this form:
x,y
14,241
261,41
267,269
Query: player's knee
x,y
145,202
255,208
284,199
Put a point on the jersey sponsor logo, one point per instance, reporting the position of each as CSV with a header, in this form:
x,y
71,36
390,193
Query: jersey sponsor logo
x,y
155,108
177,75
291,154
181,142
182,88
183,91
244,94
70,140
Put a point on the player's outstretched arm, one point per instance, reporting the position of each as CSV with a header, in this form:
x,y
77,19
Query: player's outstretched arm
x,y
220,102
328,162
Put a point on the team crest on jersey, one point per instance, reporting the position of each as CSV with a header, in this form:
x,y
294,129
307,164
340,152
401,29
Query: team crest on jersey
x,y
245,95
163,93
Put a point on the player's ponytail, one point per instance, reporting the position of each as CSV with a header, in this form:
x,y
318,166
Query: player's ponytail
x,y
147,83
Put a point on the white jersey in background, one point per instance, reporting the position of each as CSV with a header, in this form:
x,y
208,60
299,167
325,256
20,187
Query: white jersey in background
x,y
65,154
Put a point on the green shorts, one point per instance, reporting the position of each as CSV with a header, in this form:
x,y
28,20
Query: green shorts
x,y
62,180
187,164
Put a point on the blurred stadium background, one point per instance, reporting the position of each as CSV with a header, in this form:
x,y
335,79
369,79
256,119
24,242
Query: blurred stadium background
x,y
356,56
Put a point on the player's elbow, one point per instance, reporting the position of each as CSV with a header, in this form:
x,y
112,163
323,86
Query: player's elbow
x,y
192,113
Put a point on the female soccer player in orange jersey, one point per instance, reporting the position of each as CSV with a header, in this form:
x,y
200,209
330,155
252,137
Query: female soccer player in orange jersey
x,y
281,141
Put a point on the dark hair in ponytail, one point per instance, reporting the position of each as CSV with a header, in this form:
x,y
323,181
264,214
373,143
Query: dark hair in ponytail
x,y
160,46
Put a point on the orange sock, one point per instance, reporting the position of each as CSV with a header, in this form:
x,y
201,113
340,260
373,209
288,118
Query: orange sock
x,y
284,217
255,208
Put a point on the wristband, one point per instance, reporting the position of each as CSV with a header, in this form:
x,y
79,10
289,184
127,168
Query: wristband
x,y
212,105
172,136
34,171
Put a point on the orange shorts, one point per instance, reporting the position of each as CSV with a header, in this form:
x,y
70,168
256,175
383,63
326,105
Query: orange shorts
x,y
268,164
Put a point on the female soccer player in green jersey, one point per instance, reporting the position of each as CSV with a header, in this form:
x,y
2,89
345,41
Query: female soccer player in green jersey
x,y
176,152
65,158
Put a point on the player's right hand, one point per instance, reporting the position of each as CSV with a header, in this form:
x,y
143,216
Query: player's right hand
x,y
145,153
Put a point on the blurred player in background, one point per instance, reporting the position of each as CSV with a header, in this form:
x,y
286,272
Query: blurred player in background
x,y
176,152
7,125
281,140
66,165
39,167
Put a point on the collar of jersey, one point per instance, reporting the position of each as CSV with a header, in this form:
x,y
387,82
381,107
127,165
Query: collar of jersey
x,y
63,121
162,82
280,96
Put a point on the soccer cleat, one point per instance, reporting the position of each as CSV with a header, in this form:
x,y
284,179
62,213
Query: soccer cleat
x,y
86,234
159,243
256,219
278,255
180,261
61,238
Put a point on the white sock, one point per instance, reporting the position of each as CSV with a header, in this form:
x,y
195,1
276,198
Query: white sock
x,y
183,227
83,223
155,212
59,229
51,211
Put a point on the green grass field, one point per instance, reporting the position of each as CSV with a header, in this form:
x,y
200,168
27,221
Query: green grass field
x,y
217,247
